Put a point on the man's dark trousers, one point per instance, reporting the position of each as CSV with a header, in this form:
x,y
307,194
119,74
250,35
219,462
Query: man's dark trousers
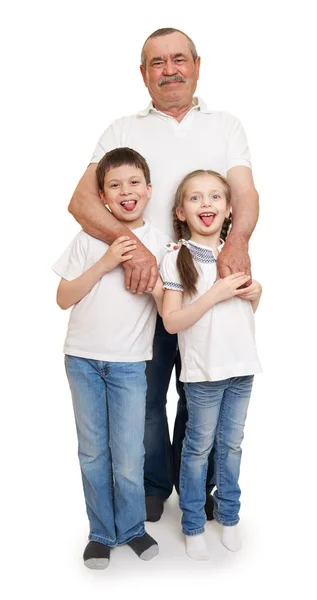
x,y
162,459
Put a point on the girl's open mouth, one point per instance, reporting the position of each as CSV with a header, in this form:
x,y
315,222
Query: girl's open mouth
x,y
207,218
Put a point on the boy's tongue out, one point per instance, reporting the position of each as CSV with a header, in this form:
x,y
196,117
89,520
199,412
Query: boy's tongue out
x,y
207,219
129,205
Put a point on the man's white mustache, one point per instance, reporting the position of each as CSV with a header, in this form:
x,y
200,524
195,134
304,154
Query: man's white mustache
x,y
169,78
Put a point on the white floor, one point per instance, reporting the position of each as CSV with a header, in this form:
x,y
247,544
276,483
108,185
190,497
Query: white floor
x,y
46,533
266,567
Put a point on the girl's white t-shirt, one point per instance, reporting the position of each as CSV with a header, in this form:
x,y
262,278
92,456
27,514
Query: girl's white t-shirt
x,y
110,323
222,343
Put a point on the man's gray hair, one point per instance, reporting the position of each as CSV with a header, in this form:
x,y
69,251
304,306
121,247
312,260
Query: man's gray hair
x,y
167,31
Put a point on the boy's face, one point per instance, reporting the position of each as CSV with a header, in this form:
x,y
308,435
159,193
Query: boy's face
x,y
126,194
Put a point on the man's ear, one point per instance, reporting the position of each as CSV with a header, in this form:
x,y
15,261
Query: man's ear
x,y
143,73
149,190
197,65
180,214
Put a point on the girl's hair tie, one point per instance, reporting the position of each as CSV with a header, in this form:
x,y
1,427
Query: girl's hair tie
x,y
183,242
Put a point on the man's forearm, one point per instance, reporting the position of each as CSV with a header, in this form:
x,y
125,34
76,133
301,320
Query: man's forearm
x,y
245,213
95,219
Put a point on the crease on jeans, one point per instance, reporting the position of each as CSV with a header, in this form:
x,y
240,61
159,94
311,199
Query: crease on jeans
x,y
109,440
221,453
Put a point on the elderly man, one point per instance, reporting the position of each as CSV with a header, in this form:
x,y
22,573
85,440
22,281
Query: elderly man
x,y
177,133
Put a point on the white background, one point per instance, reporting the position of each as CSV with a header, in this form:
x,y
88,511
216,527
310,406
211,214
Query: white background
x,y
70,68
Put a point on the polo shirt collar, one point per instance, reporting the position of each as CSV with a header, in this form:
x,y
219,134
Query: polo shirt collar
x,y
199,105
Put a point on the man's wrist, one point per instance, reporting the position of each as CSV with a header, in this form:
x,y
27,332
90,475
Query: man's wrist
x,y
238,239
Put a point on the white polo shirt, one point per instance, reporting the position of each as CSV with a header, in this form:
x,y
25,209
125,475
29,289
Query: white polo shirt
x,y
204,139
221,344
110,323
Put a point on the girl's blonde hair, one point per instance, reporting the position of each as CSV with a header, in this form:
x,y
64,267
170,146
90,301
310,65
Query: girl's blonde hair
x,y
185,264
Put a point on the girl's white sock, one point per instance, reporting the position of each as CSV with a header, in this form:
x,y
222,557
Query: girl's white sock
x,y
231,538
196,547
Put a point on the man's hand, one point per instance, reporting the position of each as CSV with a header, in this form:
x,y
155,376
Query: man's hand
x,y
234,258
141,271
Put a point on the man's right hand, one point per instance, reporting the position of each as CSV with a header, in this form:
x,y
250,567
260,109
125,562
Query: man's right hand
x,y
141,271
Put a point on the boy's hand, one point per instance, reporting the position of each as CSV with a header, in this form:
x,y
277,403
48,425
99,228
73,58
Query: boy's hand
x,y
253,292
226,288
118,252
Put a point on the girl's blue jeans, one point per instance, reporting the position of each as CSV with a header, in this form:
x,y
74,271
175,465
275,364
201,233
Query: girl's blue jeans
x,y
109,407
217,412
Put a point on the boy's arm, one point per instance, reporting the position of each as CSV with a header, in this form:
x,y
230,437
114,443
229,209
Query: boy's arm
x,y
71,292
86,207
176,318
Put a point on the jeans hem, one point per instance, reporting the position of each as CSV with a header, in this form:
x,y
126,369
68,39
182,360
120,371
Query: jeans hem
x,y
227,523
102,540
194,531
139,533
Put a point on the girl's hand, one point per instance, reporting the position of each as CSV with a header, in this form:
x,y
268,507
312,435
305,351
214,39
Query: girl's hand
x,y
226,288
253,292
117,252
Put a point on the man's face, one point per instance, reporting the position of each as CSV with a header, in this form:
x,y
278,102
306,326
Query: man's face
x,y
170,73
126,193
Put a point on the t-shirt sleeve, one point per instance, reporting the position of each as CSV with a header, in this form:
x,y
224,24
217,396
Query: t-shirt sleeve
x,y
169,273
238,153
110,139
72,262
165,246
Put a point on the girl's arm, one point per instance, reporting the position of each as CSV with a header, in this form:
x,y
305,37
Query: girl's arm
x,y
252,293
158,293
176,318
71,292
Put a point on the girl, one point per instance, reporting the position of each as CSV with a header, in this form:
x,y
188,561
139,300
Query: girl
x,y
214,322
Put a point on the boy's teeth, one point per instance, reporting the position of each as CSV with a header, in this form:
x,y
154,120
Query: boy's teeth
x,y
128,204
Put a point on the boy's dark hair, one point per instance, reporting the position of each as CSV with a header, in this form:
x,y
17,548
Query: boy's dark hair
x,y
119,157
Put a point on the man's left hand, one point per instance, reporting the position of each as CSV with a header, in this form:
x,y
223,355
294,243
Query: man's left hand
x,y
234,258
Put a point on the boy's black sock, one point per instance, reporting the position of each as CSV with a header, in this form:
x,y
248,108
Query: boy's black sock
x,y
96,555
145,547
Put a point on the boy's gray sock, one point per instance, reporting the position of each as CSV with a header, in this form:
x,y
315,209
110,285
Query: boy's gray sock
x,y
96,556
145,547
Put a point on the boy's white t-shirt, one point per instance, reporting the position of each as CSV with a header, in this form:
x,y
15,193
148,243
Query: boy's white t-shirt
x,y
110,323
221,343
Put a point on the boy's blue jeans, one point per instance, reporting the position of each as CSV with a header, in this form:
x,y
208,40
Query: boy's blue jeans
x,y
109,407
217,412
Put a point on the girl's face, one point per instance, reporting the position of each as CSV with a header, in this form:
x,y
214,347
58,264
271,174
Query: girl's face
x,y
204,205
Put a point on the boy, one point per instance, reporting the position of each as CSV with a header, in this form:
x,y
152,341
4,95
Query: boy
x,y
109,338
